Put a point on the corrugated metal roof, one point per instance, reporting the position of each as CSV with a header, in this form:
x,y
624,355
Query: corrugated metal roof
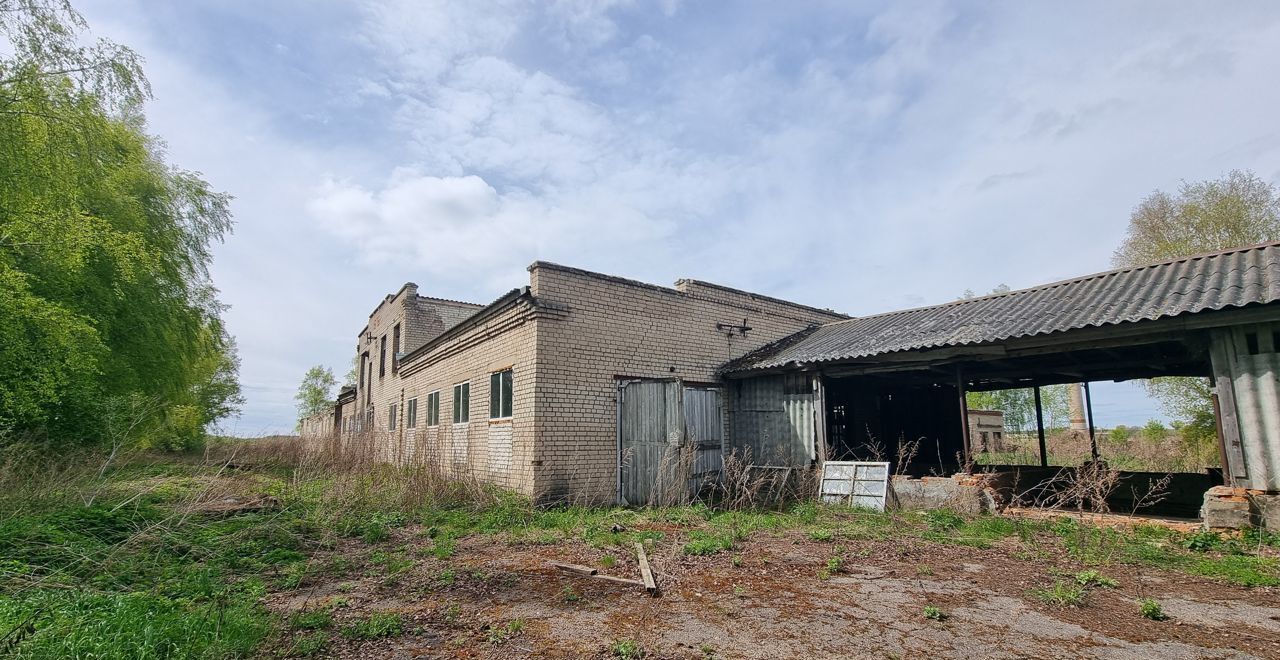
x,y
1231,278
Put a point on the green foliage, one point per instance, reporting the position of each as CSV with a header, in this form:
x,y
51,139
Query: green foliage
x,y
1202,541
934,613
1019,406
703,543
626,649
1091,578
1062,594
315,394
821,534
1119,434
375,626
500,634
1236,210
306,646
312,619
1154,431
104,251
1151,609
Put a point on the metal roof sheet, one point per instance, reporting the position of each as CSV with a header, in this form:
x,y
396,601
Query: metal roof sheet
x,y
1231,278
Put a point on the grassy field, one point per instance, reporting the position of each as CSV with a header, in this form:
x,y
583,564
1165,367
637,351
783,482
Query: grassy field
x,y
191,557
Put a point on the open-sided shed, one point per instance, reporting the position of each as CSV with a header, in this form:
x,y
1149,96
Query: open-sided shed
x,y
880,379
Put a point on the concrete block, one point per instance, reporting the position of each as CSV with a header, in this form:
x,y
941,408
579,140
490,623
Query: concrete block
x,y
1225,509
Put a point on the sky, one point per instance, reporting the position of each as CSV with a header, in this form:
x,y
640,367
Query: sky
x,y
861,156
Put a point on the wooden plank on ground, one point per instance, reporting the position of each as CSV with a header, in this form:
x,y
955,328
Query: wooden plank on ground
x,y
575,568
618,580
649,584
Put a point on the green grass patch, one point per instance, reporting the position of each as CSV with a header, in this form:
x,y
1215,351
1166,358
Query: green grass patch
x,y
707,543
375,626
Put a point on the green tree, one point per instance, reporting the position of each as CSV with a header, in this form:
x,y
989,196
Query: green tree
x,y
1236,210
105,296
1019,406
315,393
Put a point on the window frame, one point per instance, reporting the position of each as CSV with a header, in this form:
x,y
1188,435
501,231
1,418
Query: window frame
x,y
501,398
433,408
395,349
382,358
391,417
411,413
462,402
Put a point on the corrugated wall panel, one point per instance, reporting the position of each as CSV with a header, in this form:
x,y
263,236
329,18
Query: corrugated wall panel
x,y
1247,358
774,420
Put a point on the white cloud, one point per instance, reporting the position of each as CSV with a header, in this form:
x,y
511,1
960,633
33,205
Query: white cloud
x,y
864,158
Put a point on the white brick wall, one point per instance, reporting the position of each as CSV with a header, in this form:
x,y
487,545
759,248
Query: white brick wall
x,y
566,341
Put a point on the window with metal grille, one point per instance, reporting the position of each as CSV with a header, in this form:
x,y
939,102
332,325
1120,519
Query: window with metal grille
x,y
500,399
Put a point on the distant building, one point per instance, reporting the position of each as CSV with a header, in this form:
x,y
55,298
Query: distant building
x,y
986,430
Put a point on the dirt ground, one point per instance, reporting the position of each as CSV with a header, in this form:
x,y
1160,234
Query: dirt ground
x,y
775,597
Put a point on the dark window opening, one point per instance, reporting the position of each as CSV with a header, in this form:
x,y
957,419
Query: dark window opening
x,y
461,403
382,358
411,415
500,397
395,349
433,409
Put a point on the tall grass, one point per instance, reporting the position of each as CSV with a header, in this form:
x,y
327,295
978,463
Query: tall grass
x,y
160,556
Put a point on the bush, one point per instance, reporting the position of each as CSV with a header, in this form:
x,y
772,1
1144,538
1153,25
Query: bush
x,y
1154,431
1151,609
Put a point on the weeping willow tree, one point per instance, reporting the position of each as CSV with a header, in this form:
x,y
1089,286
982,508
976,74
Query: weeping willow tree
x,y
109,323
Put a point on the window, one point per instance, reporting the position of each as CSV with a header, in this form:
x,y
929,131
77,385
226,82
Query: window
x,y
461,403
411,416
433,409
366,367
391,417
382,358
500,394
395,349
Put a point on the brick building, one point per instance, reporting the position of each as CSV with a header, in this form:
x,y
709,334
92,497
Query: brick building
x,y
563,388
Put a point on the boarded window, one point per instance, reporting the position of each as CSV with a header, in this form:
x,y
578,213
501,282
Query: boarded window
x,y
433,409
461,403
411,414
500,399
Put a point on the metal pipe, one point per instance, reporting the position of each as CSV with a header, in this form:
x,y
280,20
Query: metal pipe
x,y
1044,451
1088,406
